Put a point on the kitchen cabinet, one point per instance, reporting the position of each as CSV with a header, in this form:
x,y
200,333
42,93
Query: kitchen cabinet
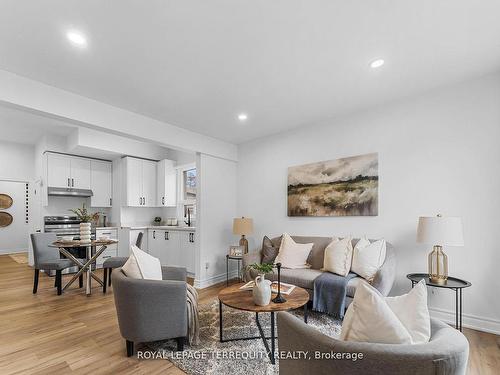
x,y
167,184
140,182
66,171
101,181
187,246
111,250
156,245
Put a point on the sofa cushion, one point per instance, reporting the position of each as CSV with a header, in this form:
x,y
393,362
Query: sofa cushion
x,y
338,256
269,250
292,254
353,284
368,257
317,254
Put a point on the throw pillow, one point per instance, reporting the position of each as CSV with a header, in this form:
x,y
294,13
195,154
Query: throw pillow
x,y
149,266
131,268
338,256
269,251
367,258
412,311
370,319
293,255
391,320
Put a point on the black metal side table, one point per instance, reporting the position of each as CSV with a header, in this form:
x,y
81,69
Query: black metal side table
x,y
233,257
452,283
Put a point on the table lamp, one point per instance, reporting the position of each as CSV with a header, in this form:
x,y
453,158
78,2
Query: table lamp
x,y
243,226
439,231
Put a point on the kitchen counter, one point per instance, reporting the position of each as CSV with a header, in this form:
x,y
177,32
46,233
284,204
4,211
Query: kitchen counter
x,y
105,228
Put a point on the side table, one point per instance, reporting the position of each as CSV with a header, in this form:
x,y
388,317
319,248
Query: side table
x,y
239,259
452,283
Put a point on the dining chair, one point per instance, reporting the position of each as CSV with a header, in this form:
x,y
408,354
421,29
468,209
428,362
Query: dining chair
x,y
48,259
116,262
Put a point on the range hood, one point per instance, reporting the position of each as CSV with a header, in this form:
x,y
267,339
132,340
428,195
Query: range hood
x,y
69,192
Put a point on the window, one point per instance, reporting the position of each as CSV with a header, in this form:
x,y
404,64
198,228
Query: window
x,y
189,184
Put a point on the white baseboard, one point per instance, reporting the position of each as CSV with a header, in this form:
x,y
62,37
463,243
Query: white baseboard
x,y
12,251
205,283
470,321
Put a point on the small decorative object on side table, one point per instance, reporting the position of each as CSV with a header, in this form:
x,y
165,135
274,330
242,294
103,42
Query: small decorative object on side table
x,y
279,298
451,283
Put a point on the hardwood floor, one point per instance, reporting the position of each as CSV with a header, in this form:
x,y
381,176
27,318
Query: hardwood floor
x,y
73,333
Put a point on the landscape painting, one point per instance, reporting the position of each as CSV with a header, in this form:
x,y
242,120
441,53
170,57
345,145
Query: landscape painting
x,y
341,187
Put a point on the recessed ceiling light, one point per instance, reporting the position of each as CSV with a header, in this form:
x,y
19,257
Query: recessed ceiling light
x,y
76,38
242,116
377,63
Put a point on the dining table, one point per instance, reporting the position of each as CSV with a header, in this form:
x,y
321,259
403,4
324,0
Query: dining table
x,y
86,266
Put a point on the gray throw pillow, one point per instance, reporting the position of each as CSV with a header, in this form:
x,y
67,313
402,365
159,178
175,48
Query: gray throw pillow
x,y
269,251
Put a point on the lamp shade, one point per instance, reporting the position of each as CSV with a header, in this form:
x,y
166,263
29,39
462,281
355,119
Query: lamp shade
x,y
243,226
439,230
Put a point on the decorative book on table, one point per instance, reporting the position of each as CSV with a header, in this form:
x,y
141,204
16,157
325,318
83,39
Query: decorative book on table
x,y
285,288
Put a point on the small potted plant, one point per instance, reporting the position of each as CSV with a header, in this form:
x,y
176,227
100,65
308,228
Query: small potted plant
x,y
157,220
86,219
262,268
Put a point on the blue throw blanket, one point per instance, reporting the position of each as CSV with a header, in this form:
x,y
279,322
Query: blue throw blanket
x,y
330,292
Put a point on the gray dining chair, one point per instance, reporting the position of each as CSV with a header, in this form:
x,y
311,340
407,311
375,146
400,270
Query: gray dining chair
x,y
116,262
48,259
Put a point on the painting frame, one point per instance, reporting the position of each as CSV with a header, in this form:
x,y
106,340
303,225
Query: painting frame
x,y
334,188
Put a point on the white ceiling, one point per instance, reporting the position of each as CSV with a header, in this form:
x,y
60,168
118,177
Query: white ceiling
x,y
286,63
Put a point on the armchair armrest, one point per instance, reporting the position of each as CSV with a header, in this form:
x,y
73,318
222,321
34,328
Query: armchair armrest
x,y
173,273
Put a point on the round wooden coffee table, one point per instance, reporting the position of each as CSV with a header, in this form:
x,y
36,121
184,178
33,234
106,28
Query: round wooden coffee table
x,y
236,298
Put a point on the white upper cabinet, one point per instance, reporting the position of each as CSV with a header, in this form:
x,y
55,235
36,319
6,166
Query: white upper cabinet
x,y
101,179
80,173
68,171
58,170
140,182
149,183
167,184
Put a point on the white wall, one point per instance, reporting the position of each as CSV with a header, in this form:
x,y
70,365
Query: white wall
x,y
216,208
17,161
437,153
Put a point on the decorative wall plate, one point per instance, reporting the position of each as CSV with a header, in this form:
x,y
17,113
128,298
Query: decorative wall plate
x,y
5,219
5,201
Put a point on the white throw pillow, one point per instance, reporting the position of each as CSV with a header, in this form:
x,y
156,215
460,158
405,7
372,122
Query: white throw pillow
x,y
292,254
149,266
392,320
338,256
141,265
412,311
131,268
368,257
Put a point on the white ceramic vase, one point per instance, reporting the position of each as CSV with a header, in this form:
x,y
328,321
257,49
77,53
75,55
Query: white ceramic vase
x,y
85,230
262,291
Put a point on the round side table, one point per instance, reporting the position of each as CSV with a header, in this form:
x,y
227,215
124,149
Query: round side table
x,y
452,283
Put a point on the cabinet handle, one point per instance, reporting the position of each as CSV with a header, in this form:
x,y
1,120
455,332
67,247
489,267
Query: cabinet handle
x,y
143,201
163,201
69,184
107,256
140,201
154,235
165,236
72,182
110,201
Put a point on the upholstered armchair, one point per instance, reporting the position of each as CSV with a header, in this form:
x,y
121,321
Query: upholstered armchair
x,y
151,310
445,354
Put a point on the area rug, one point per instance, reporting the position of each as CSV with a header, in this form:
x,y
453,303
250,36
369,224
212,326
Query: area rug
x,y
234,357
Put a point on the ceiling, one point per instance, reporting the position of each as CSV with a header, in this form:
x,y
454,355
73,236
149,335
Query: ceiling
x,y
286,63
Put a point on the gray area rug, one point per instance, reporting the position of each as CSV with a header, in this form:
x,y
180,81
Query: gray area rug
x,y
234,357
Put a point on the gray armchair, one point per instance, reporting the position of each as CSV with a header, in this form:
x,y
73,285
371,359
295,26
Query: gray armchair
x,y
151,310
445,354
48,259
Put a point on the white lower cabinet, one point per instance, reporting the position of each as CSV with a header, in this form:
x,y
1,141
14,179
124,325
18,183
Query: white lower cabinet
x,y
172,247
111,250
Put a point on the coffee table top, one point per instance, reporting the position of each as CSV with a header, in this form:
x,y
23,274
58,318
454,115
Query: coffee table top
x,y
233,297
